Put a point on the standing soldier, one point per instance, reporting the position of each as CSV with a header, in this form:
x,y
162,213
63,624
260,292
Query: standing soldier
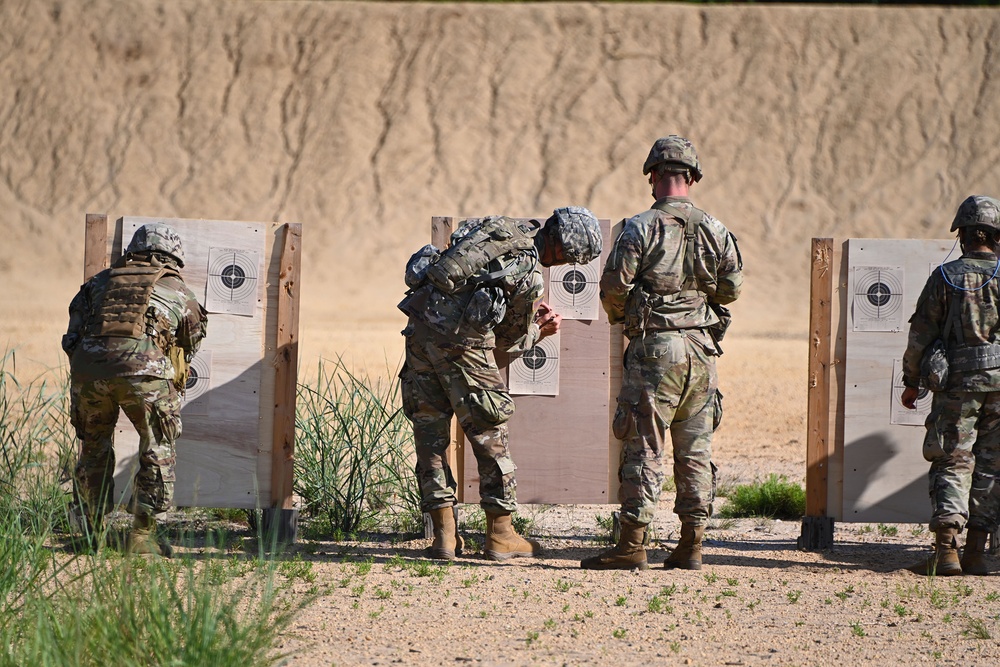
x,y
484,291
133,330
953,348
670,273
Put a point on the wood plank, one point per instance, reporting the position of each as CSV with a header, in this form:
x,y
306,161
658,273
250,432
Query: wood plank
x,y
818,419
616,374
224,458
885,475
95,254
286,365
558,442
441,230
835,462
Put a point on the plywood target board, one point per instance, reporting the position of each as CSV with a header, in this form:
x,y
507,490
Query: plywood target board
x,y
560,434
224,454
884,474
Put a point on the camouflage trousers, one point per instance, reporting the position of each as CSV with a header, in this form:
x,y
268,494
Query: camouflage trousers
x,y
153,407
963,446
438,381
669,384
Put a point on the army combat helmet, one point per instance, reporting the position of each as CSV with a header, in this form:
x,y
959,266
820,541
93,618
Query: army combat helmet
x,y
977,211
580,233
676,152
157,237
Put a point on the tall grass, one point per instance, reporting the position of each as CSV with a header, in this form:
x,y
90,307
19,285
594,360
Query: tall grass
x,y
59,608
354,465
774,498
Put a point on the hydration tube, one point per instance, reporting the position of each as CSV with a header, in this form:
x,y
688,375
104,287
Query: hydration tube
x,y
944,275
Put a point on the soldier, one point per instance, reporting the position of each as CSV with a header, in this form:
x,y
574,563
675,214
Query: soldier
x,y
484,291
954,350
667,279
133,330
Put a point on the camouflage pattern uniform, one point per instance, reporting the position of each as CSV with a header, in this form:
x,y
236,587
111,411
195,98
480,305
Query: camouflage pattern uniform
x,y
449,369
670,379
111,370
962,442
451,333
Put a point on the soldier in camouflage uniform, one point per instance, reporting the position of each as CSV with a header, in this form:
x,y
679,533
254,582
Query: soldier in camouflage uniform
x,y
132,331
667,279
484,291
957,313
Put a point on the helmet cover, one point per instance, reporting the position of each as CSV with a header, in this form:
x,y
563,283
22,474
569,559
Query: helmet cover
x,y
580,234
673,150
977,211
159,237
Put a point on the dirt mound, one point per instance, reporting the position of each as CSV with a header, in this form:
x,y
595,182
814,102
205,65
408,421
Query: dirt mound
x,y
363,120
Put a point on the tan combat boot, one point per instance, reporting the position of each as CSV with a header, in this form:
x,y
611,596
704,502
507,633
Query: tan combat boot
x,y
143,538
687,554
503,543
974,554
628,554
446,539
944,561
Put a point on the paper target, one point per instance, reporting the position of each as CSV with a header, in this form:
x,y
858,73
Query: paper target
x,y
199,382
537,370
232,283
902,415
878,298
575,291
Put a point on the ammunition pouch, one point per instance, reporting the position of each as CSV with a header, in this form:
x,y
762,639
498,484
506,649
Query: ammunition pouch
x,y
718,330
638,308
486,308
934,366
418,264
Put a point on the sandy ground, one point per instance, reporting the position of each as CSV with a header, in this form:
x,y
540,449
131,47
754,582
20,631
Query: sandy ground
x,y
757,601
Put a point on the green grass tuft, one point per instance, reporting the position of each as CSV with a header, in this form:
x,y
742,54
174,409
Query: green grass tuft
x,y
774,498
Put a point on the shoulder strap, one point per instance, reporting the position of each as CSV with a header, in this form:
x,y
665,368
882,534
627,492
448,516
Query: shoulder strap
x,y
693,220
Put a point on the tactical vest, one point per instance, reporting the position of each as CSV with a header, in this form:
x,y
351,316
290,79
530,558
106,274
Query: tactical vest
x,y
962,357
121,312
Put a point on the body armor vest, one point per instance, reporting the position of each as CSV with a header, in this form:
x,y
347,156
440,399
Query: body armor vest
x,y
122,309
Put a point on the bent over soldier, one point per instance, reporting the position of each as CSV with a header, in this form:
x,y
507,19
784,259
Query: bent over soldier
x,y
133,330
484,291
667,279
954,350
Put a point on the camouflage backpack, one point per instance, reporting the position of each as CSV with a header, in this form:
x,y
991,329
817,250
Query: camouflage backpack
x,y
473,246
456,284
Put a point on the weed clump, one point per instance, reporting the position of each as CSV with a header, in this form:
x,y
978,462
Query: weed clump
x,y
774,498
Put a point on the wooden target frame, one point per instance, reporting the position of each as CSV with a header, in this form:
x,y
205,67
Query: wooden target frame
x,y
562,445
864,459
240,452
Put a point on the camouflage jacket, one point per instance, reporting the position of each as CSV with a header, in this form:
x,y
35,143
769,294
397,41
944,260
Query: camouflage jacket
x,y
976,320
517,292
173,318
643,284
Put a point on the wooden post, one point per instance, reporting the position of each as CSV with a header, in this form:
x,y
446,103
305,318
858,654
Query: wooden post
x,y
95,245
817,529
441,229
286,368
818,436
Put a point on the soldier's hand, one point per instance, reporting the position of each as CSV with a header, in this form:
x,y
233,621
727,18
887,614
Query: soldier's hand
x,y
548,320
909,397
